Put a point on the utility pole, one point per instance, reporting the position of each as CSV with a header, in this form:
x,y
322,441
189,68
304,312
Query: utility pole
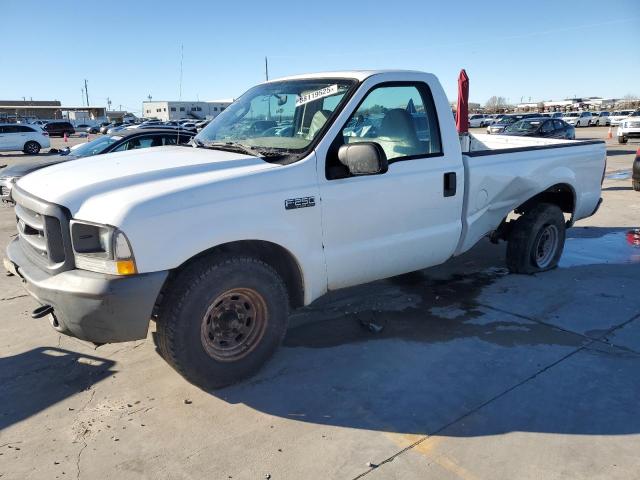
x,y
181,58
266,69
86,91
108,103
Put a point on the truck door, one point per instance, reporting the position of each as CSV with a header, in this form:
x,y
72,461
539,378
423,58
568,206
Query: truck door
x,y
406,218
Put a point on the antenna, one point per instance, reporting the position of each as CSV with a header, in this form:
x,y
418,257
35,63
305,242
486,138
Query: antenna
x,y
181,58
266,68
86,91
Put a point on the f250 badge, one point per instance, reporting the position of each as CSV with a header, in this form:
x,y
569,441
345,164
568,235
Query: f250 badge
x,y
304,202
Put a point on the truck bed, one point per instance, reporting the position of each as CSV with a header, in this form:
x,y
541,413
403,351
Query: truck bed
x,y
502,172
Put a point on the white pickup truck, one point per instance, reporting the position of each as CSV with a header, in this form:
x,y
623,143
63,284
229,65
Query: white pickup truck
x,y
363,178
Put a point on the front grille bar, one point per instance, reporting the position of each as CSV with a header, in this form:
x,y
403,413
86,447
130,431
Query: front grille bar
x,y
43,231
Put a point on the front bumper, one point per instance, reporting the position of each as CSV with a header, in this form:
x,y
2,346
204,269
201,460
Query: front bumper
x,y
629,132
91,306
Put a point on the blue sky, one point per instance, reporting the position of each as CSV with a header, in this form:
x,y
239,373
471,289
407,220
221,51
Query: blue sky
x,y
546,49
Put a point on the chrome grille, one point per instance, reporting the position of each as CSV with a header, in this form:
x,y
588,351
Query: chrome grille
x,y
4,191
31,230
43,231
634,124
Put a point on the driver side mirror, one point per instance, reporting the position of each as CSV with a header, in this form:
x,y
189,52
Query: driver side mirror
x,y
364,158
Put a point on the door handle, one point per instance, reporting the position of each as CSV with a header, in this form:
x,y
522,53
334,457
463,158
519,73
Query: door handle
x,y
450,184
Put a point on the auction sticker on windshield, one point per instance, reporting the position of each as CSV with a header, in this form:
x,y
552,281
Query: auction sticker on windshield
x,y
311,96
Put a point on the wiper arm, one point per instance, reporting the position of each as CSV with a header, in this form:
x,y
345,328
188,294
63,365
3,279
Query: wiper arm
x,y
235,146
232,146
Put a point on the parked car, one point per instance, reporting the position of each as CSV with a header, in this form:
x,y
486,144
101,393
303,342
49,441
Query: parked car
x,y
200,125
59,129
477,120
117,128
600,119
556,114
105,127
101,145
578,119
616,117
635,178
28,138
541,127
93,129
218,243
506,120
629,127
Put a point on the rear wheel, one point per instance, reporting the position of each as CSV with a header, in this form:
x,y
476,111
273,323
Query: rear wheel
x,y
536,240
222,319
622,139
636,185
31,148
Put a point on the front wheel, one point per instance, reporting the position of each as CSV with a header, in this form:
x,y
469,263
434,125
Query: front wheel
x,y
536,240
622,139
636,185
31,148
222,319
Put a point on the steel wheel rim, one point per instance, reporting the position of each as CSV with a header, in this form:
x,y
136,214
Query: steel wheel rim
x,y
546,246
234,324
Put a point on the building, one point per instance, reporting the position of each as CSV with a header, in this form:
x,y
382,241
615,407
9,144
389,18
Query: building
x,y
175,110
569,104
27,110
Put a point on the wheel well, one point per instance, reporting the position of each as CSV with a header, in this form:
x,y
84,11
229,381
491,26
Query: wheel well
x,y
278,257
560,194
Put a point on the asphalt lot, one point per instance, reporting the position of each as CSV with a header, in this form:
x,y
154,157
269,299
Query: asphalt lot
x,y
476,374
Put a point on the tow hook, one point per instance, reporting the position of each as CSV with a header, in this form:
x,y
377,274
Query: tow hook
x,y
42,311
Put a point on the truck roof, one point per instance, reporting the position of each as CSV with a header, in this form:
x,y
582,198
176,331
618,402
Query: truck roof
x,y
356,74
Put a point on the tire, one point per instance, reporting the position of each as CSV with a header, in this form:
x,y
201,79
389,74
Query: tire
x,y
536,240
31,148
222,319
622,139
636,185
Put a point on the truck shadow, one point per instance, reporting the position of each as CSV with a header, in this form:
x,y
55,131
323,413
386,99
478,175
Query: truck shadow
x,y
416,353
33,381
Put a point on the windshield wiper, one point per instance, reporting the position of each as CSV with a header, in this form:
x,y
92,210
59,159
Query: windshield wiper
x,y
239,147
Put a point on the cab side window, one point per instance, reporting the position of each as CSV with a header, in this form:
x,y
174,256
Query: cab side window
x,y
401,119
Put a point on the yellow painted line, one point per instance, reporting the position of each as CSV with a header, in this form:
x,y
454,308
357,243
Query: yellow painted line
x,y
427,448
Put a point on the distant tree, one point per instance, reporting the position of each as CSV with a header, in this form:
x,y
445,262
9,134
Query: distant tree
x,y
376,109
495,104
630,101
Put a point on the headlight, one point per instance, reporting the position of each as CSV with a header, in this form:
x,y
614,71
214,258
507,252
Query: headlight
x,y
101,248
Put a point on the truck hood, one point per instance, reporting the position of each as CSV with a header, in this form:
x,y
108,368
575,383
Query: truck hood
x,y
103,187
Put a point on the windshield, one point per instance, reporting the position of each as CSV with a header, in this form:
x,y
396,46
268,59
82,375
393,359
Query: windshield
x,y
277,118
507,120
524,126
94,147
